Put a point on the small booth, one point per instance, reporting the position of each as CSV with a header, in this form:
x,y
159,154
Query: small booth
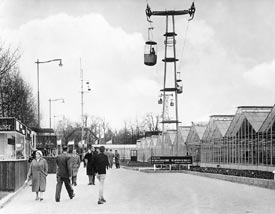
x,y
46,142
16,144
16,139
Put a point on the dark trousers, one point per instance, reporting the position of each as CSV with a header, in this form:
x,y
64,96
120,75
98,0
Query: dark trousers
x,y
91,179
59,184
74,180
117,165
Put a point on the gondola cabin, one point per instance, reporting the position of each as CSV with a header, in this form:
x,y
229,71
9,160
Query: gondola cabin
x,y
150,56
179,86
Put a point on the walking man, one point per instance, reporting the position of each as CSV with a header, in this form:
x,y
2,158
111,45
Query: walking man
x,y
63,174
117,157
111,158
101,163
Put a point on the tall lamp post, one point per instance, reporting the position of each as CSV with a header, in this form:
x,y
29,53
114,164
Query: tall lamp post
x,y
82,102
38,101
50,108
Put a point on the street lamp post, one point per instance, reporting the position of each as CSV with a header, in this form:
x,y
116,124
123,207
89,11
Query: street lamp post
x,y
50,108
38,99
82,102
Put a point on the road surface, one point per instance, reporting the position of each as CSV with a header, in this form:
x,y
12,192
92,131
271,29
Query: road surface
x,y
129,191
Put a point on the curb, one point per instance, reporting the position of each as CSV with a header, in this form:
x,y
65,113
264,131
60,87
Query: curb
x,y
4,201
262,183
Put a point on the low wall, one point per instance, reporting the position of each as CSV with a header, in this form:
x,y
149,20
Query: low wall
x,y
243,180
240,166
13,173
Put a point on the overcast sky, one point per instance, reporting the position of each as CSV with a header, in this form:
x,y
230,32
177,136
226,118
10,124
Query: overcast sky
x,y
228,59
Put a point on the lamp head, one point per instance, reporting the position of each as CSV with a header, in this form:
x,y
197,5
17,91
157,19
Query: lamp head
x,y
60,63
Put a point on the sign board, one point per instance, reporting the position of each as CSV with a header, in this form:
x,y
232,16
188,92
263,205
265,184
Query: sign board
x,y
171,160
11,124
7,124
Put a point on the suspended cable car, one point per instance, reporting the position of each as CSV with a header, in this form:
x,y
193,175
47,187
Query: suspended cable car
x,y
179,88
179,83
172,103
160,101
150,56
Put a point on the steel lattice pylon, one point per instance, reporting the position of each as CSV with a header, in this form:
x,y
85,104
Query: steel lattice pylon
x,y
170,58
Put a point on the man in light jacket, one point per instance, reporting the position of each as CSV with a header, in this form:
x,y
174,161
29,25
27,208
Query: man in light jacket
x,y
101,164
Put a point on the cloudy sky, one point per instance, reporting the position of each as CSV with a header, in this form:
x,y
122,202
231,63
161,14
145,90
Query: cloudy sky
x,y
227,55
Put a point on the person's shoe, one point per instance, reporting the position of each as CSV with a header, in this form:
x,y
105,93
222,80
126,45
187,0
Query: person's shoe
x,y
41,199
37,198
100,202
73,195
90,183
103,200
57,200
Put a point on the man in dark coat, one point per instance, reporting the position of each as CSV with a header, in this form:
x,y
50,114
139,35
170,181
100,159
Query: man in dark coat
x,y
117,157
63,174
89,160
101,163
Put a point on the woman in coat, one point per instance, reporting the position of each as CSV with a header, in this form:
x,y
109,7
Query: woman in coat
x,y
75,166
90,159
38,172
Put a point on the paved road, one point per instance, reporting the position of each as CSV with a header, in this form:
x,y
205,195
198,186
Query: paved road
x,y
129,191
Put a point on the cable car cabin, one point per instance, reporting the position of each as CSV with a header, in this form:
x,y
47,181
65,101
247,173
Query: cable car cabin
x,y
160,101
179,86
150,57
179,89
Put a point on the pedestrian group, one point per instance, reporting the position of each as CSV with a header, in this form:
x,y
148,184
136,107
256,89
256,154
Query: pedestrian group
x,y
95,161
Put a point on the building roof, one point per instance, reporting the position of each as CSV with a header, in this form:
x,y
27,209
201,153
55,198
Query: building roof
x,y
200,130
255,115
184,130
223,126
196,132
269,121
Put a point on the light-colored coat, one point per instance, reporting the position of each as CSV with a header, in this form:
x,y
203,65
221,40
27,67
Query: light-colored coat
x,y
75,164
38,171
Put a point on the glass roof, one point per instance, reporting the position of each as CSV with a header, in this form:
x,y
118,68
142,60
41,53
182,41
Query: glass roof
x,y
256,119
223,126
268,121
200,130
254,114
184,132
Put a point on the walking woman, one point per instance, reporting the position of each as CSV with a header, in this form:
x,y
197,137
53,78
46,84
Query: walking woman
x,y
75,166
38,172
90,159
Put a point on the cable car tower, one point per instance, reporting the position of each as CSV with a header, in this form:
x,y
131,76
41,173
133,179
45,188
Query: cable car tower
x,y
170,61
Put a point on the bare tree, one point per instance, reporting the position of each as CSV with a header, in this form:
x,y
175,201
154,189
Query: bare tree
x,y
8,60
151,122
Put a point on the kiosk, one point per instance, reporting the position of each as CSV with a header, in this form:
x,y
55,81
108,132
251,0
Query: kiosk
x,y
16,144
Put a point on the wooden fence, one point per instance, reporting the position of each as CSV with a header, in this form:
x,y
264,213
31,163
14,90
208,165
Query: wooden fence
x,y
13,173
